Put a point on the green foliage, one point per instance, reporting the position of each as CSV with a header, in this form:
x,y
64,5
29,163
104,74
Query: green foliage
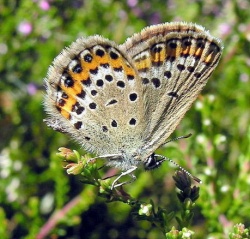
x,y
161,218
38,199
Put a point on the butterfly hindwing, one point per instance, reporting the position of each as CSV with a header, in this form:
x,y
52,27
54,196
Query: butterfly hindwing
x,y
95,96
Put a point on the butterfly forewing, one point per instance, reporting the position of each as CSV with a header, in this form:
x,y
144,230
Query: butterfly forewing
x,y
174,61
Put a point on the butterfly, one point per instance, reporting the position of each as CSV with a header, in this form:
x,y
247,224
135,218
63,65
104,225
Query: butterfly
x,y
122,102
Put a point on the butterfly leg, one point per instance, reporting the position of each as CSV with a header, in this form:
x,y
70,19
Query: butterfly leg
x,y
128,172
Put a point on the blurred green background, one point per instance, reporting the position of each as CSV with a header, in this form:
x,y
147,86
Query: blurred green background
x,y
33,184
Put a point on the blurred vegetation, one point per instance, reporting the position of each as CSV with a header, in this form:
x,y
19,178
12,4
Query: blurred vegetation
x,y
37,197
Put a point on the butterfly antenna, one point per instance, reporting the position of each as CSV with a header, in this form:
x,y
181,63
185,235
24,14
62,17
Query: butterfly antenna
x,y
180,137
176,164
181,168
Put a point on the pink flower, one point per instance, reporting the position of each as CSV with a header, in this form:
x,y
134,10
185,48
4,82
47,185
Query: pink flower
x,y
225,29
31,89
44,5
24,28
132,3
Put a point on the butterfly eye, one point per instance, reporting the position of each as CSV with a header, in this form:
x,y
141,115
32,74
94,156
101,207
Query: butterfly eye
x,y
151,162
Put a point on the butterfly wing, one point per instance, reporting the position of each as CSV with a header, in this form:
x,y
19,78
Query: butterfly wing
x,y
174,61
93,94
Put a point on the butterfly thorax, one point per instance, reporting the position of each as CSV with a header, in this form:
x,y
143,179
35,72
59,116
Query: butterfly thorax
x,y
124,161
